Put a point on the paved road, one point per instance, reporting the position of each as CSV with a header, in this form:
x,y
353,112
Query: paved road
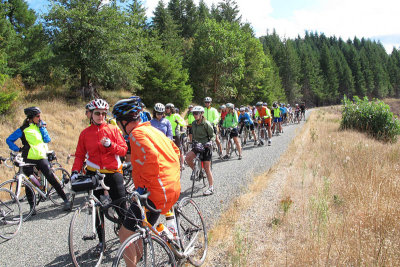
x,y
43,240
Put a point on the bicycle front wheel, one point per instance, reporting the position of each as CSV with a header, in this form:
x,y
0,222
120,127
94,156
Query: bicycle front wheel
x,y
26,208
140,251
62,176
83,238
10,214
192,230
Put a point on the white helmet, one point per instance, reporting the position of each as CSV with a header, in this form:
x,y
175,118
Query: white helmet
x,y
207,99
89,106
230,105
198,109
159,107
99,104
242,109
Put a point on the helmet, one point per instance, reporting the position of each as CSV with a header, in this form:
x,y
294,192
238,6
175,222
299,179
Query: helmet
x,y
169,105
259,104
230,105
265,104
32,112
198,109
142,105
288,105
297,105
89,106
176,110
207,99
99,104
127,109
190,106
242,109
159,107
246,109
222,106
274,105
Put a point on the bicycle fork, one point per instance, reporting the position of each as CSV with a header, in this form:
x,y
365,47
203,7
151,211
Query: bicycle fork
x,y
91,233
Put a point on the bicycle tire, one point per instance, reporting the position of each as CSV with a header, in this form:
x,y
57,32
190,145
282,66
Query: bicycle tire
x,y
82,242
10,214
61,175
191,230
195,174
155,252
23,201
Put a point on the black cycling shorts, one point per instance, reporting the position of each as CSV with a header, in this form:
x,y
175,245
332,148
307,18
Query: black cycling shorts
x,y
190,130
234,132
133,216
177,141
206,155
215,129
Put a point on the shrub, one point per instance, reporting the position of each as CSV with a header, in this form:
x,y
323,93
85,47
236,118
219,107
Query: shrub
x,y
372,117
9,91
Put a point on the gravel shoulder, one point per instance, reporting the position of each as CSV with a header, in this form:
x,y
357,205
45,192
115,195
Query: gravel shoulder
x,y
43,240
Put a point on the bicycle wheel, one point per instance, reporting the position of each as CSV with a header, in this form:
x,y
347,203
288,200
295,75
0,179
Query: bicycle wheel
x,y
149,251
233,148
195,173
191,230
26,209
10,214
83,238
62,176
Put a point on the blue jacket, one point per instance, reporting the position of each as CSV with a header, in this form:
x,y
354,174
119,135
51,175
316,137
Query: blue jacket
x,y
33,140
246,118
164,126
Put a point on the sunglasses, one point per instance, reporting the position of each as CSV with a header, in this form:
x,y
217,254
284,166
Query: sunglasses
x,y
196,113
98,113
207,102
37,116
159,113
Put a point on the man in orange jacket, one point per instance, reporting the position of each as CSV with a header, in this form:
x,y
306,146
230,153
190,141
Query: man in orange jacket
x,y
155,164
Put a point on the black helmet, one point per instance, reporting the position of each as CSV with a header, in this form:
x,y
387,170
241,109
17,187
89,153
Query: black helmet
x,y
32,112
127,109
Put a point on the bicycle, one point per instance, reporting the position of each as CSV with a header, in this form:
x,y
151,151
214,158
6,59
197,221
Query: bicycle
x,y
245,134
190,243
20,184
82,234
230,144
262,132
198,172
10,212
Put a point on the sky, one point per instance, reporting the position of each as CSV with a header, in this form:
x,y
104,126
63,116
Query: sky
x,y
377,20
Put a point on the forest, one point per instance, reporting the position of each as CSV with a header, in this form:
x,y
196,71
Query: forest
x,y
181,54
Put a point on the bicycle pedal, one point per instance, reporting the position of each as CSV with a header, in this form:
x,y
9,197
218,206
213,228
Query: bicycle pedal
x,y
91,237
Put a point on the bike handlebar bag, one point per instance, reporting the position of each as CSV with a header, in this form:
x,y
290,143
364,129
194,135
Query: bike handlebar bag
x,y
84,183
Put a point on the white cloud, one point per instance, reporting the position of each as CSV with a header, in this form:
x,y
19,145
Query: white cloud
x,y
342,18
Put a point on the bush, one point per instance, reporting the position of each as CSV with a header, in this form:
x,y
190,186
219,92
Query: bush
x,y
9,92
373,117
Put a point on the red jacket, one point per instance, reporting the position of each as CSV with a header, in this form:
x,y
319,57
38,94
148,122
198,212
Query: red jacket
x,y
155,165
97,156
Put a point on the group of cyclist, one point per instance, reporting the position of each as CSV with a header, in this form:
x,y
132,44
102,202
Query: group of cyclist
x,y
151,143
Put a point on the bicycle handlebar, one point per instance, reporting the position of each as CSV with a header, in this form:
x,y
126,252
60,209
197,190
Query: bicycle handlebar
x,y
143,198
100,177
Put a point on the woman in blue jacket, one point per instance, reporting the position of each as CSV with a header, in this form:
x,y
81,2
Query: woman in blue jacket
x,y
34,137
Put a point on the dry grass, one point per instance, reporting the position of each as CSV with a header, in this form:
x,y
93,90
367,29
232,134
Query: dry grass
x,y
340,204
394,105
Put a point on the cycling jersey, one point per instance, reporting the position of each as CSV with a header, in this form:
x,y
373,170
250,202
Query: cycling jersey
x,y
173,119
264,113
98,157
246,119
190,118
277,112
283,110
163,125
231,120
155,164
212,115
33,139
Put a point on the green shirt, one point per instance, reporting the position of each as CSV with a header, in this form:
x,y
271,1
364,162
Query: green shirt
x,y
190,118
202,132
38,148
173,118
231,120
212,115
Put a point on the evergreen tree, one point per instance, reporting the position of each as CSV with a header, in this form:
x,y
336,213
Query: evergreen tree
x,y
228,10
331,83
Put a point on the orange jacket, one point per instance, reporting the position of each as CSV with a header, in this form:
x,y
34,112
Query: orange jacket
x,y
155,164
98,156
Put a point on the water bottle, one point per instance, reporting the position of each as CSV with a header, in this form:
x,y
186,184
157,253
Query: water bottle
x,y
34,180
164,232
171,223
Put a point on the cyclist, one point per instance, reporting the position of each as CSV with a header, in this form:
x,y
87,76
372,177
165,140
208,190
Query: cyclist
x,y
155,162
177,122
265,114
101,145
145,113
190,119
212,115
303,110
231,121
283,115
203,133
277,122
34,138
160,122
246,121
297,113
